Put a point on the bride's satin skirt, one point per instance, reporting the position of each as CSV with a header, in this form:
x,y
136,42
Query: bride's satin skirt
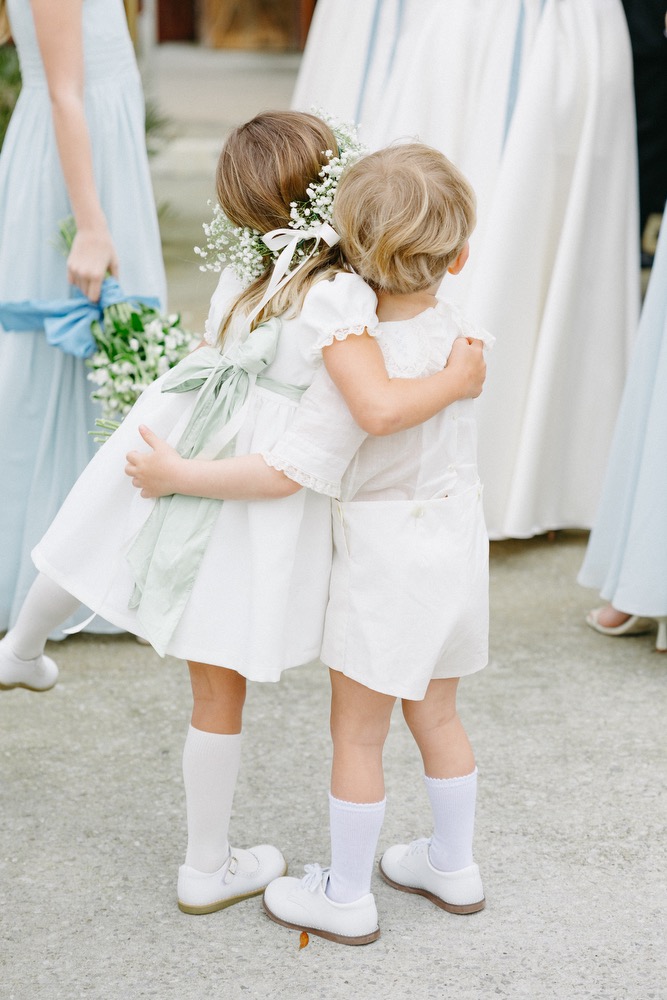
x,y
533,100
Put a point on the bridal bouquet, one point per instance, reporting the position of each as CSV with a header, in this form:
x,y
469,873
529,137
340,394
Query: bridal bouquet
x,y
134,345
126,340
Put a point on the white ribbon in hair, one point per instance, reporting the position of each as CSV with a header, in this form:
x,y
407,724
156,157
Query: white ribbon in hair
x,y
287,241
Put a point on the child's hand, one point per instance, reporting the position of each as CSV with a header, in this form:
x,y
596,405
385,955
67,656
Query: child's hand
x,y
466,359
155,473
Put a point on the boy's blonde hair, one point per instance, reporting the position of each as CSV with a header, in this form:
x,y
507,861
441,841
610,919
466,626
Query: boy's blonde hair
x,y
264,166
404,214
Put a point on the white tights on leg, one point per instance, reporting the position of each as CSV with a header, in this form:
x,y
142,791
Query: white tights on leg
x,y
210,768
46,606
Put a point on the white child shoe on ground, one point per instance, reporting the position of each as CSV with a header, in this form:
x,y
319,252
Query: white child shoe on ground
x,y
303,905
39,674
246,873
407,867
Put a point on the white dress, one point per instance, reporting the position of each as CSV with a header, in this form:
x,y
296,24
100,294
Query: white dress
x,y
409,587
333,65
533,100
258,600
436,71
556,275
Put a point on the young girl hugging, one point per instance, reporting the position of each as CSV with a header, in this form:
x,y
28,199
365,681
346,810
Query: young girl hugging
x,y
239,590
408,608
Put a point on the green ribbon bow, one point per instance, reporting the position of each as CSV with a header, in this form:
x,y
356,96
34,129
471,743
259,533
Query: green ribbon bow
x,y
166,554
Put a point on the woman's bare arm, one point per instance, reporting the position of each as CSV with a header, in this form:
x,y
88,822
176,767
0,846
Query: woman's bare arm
x,y
60,36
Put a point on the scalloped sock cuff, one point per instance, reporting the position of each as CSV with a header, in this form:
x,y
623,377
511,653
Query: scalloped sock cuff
x,y
355,828
453,805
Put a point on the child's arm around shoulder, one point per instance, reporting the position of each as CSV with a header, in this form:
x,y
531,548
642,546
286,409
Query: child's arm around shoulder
x,y
382,405
162,471
342,312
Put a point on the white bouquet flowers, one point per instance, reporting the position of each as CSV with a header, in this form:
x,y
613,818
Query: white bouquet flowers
x,y
135,344
126,341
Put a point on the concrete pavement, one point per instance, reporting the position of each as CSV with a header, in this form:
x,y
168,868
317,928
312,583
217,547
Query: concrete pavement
x,y
568,728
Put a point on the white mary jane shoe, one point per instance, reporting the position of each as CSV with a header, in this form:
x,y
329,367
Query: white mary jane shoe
x,y
303,905
245,873
407,867
39,674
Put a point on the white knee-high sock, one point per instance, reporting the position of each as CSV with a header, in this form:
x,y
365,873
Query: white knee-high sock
x,y
355,828
453,806
210,768
45,607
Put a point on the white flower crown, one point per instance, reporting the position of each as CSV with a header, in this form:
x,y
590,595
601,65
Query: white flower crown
x,y
243,249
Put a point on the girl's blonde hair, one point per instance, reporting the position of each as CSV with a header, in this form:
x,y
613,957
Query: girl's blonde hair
x,y
264,166
5,30
404,214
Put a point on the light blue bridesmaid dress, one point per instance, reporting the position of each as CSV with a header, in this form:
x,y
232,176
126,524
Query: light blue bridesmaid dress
x,y
626,558
45,407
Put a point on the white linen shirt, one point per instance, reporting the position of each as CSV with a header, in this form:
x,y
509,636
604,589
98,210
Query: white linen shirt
x,y
325,450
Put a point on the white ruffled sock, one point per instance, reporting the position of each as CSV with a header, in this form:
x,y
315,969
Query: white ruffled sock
x,y
453,805
355,828
45,607
210,769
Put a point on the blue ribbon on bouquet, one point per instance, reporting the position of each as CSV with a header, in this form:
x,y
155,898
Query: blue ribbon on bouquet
x,y
67,322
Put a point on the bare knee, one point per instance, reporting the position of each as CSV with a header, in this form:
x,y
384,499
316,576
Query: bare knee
x,y
358,731
436,711
360,720
218,698
421,722
439,733
358,714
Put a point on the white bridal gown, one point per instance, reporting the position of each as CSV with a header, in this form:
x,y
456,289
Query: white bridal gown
x,y
533,100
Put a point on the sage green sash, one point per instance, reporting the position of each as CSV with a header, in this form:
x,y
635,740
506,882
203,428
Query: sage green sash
x,y
167,552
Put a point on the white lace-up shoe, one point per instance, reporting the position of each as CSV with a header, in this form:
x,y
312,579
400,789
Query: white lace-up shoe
x,y
303,905
39,674
407,867
244,874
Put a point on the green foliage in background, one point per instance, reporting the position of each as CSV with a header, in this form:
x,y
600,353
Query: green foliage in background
x,y
158,128
10,85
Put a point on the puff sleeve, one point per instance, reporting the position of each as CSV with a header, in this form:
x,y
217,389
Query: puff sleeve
x,y
332,310
323,436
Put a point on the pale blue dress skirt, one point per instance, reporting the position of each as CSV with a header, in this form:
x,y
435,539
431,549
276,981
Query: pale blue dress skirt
x,y
45,407
626,558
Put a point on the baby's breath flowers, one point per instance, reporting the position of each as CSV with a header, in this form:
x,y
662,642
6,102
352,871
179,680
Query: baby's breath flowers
x,y
238,247
319,206
243,249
